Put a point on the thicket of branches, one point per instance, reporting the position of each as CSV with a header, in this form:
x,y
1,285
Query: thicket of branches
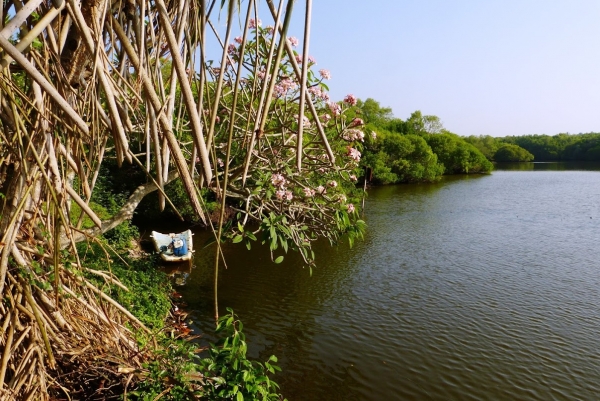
x,y
82,82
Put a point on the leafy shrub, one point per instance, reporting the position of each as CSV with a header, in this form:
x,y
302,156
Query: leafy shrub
x,y
232,375
178,373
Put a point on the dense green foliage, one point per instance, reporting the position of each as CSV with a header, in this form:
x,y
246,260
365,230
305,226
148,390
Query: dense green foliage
x,y
559,147
401,158
457,155
416,150
421,149
581,147
512,153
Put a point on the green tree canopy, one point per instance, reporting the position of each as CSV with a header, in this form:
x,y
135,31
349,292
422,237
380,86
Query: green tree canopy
x,y
457,155
373,113
512,153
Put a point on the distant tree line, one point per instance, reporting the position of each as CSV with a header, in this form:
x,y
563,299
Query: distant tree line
x,y
561,147
420,149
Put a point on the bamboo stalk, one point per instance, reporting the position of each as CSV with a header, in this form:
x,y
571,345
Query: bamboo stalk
x,y
83,205
303,90
311,106
186,90
41,325
47,86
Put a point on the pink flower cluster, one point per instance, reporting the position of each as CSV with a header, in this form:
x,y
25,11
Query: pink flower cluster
x,y
305,120
326,118
238,40
254,23
278,180
354,154
350,99
356,122
350,208
332,184
231,49
325,74
311,59
353,134
335,108
373,134
318,93
293,41
308,192
353,178
284,86
321,190
282,194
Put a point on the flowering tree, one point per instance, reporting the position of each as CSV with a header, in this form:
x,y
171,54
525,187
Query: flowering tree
x,y
292,173
84,82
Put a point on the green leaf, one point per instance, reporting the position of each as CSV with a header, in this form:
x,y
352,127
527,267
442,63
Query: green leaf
x,y
238,238
239,397
279,259
273,245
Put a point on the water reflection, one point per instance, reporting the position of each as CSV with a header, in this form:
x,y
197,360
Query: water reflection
x,y
549,166
179,272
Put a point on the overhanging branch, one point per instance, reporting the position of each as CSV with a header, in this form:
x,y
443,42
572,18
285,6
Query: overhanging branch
x,y
125,213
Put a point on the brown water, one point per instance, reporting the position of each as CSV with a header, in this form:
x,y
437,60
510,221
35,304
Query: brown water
x,y
475,288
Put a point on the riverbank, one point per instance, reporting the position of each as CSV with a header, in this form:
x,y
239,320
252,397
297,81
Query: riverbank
x,y
174,366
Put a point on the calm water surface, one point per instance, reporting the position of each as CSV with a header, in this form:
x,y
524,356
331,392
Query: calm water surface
x,y
475,288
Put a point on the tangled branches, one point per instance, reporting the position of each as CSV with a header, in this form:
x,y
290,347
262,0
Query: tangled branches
x,y
85,82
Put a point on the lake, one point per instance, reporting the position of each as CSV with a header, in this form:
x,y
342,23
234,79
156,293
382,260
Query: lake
x,y
474,288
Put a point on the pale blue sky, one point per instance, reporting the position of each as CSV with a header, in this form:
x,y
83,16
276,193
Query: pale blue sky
x,y
486,67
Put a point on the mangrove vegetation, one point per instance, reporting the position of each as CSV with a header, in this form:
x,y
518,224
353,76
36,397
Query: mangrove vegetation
x,y
223,123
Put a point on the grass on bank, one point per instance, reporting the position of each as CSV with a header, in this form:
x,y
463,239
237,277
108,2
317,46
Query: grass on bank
x,y
178,369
